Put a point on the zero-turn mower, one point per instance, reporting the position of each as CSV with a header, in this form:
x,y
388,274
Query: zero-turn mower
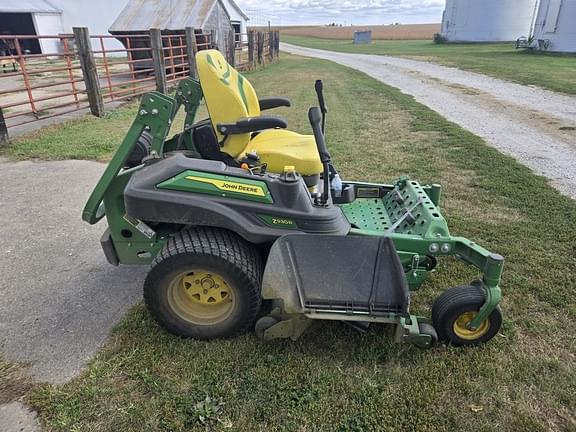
x,y
237,212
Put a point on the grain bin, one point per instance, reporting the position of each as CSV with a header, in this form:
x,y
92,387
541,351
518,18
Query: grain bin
x,y
487,20
555,26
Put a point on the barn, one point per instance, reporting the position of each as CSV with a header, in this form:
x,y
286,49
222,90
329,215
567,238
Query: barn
x,y
555,26
53,17
207,16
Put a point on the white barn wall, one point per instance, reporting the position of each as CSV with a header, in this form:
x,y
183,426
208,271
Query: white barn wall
x,y
487,20
236,16
48,24
98,16
556,22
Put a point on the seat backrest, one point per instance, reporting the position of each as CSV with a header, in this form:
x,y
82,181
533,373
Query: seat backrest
x,y
228,95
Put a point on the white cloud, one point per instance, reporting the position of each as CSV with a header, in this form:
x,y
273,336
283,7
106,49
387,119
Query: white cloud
x,y
345,11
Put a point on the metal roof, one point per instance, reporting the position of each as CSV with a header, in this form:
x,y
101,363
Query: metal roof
x,y
163,14
27,6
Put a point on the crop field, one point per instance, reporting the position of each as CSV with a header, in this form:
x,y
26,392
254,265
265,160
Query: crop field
x,y
381,32
334,379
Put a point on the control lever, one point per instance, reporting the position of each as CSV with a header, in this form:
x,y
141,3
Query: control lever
x,y
319,86
315,117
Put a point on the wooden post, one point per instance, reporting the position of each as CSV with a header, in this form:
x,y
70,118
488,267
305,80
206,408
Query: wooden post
x,y
213,43
277,43
271,45
4,138
251,58
231,49
88,64
158,59
260,48
191,50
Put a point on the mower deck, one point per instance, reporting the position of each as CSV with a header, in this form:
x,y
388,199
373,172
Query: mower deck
x,y
369,283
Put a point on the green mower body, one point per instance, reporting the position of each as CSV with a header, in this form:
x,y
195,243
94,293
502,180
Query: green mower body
x,y
175,190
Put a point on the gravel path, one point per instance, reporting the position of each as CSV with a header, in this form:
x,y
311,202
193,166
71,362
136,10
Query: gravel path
x,y
537,127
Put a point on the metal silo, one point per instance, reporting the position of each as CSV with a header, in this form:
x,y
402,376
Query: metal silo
x,y
555,26
487,20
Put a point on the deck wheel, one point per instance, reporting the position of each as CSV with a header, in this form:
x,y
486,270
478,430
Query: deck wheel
x,y
428,329
453,311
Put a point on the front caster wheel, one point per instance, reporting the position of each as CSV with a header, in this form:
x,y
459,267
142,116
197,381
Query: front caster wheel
x,y
455,308
428,329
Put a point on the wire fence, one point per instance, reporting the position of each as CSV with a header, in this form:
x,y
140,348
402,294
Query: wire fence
x,y
82,71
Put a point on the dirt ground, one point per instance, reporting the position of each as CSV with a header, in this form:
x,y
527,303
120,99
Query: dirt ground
x,y
537,127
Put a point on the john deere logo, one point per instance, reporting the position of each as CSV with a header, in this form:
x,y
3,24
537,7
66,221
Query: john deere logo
x,y
224,185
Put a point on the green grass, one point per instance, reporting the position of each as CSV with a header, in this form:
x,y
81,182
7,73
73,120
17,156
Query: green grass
x,y
552,71
334,379
87,137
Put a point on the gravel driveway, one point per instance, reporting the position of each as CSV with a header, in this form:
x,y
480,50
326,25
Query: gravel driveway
x,y
59,297
537,127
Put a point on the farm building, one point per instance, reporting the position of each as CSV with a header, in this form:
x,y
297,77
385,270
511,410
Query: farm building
x,y
53,17
487,20
555,26
238,18
209,16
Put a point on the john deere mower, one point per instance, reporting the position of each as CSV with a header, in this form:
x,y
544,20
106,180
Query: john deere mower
x,y
247,225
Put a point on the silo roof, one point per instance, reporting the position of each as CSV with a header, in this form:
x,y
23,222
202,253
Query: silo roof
x,y
27,6
141,15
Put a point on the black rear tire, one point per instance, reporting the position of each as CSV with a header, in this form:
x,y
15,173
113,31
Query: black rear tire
x,y
140,151
457,306
223,258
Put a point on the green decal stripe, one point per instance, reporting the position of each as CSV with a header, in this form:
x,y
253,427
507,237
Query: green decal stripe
x,y
210,61
226,76
219,185
242,92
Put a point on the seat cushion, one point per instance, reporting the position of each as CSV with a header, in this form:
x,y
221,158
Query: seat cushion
x,y
279,148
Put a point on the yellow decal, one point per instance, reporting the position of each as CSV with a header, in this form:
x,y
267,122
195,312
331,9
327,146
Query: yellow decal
x,y
231,186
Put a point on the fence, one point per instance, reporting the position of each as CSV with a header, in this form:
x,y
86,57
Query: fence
x,y
85,74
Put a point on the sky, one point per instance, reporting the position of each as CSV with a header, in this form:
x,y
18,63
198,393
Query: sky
x,y
291,12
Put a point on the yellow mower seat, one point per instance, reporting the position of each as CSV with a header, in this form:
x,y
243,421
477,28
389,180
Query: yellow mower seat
x,y
279,148
230,97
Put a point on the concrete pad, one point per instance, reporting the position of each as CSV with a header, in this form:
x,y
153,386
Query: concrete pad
x,y
59,298
15,417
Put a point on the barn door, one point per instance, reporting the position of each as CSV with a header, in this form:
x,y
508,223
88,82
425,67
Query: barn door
x,y
552,16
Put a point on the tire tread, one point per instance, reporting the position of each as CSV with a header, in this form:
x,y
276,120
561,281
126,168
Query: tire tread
x,y
217,243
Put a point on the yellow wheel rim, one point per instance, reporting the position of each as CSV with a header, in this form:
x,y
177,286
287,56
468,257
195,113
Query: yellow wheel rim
x,y
465,333
201,297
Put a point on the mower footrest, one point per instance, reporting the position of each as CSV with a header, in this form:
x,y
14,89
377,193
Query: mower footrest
x,y
336,274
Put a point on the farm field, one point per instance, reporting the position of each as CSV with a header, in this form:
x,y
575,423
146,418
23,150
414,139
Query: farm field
x,y
334,379
501,60
404,31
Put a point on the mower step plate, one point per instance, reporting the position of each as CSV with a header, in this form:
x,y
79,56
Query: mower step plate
x,y
339,274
